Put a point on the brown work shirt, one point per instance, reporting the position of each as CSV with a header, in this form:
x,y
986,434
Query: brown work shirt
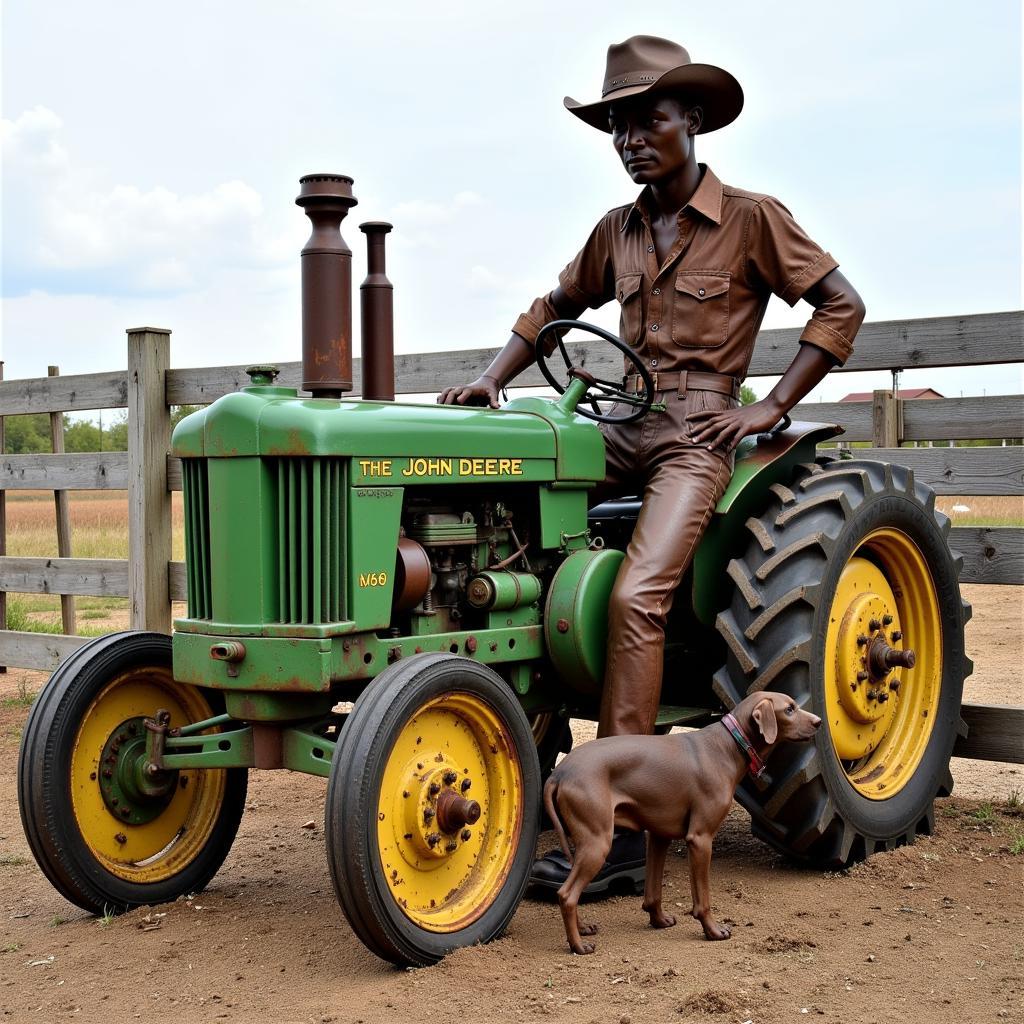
x,y
701,309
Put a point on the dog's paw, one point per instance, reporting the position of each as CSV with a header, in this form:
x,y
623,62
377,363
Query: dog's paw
x,y
663,920
584,948
588,929
714,932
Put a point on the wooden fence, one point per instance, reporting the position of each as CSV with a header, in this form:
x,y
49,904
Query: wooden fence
x,y
149,388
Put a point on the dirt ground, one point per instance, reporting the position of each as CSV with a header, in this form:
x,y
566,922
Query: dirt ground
x,y
930,933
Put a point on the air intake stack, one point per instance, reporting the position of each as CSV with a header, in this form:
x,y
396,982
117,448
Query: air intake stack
x,y
326,286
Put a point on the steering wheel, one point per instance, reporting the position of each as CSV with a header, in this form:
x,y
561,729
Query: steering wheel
x,y
598,389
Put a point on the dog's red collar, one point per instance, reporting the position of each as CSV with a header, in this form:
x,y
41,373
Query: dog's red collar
x,y
755,766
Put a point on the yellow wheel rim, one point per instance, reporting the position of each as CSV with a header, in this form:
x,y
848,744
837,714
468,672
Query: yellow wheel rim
x,y
443,870
881,713
163,847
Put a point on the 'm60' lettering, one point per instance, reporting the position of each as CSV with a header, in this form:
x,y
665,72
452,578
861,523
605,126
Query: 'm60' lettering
x,y
373,579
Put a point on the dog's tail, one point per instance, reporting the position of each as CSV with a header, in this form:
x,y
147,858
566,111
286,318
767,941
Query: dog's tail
x,y
550,796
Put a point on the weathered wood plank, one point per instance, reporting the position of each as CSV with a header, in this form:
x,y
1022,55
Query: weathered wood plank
x,y
43,651
76,393
906,344
173,473
886,421
853,417
149,502
963,419
992,554
975,471
995,733
90,577
176,583
87,471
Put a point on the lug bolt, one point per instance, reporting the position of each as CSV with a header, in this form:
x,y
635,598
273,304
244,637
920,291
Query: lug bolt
x,y
113,800
451,846
428,814
895,686
433,839
862,677
886,620
874,625
861,640
107,773
435,788
449,777
896,635
883,697
872,694
466,835
562,625
121,838
465,785
125,812
92,776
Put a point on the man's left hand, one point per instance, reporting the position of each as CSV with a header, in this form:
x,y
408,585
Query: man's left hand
x,y
725,428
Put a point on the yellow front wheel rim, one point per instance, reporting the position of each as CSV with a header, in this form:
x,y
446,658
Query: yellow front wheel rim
x,y
442,869
881,713
160,848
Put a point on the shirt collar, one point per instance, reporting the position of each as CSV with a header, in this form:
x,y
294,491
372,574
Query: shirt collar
x,y
707,200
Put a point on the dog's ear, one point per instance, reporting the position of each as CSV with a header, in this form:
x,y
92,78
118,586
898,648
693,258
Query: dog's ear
x,y
764,715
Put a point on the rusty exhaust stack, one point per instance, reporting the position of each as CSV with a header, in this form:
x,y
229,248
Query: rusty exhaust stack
x,y
376,296
326,286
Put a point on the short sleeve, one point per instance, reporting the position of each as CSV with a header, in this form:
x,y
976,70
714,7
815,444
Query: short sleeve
x,y
779,253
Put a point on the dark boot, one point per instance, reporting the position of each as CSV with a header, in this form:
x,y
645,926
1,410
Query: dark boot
x,y
623,868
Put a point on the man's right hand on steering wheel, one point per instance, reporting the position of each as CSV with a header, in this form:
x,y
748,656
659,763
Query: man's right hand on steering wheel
x,y
482,391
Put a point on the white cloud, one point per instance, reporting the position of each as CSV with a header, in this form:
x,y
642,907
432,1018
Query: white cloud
x,y
65,232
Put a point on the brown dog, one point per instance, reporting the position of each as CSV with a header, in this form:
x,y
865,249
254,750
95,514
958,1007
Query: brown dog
x,y
672,786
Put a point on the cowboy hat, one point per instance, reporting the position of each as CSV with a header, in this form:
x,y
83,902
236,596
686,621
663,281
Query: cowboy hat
x,y
647,63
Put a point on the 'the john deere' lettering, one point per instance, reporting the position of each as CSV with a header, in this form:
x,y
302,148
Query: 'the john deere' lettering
x,y
423,467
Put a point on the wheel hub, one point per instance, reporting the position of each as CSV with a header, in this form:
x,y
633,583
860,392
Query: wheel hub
x,y
439,814
130,792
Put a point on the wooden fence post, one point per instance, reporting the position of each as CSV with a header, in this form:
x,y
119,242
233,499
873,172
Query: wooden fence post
x,y
60,501
149,501
886,420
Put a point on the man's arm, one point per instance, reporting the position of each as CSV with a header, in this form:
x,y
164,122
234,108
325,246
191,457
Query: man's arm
x,y
833,295
515,357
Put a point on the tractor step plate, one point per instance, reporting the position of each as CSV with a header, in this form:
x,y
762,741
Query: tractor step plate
x,y
670,715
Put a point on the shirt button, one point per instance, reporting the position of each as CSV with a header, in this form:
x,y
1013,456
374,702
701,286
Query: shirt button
x,y
656,291
654,362
650,248
700,291
654,327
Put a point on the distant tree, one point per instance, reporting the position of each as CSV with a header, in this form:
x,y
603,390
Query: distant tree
x,y
747,395
26,435
179,412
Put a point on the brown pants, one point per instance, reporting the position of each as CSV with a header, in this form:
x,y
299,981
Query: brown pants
x,y
681,484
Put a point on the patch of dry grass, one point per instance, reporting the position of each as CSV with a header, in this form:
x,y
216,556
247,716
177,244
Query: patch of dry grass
x,y
990,510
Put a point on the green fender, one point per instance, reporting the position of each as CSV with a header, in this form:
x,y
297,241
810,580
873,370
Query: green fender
x,y
759,464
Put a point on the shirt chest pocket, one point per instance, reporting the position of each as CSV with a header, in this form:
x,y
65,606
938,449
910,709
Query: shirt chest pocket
x,y
700,316
631,321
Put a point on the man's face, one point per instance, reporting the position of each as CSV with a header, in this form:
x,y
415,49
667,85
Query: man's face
x,y
653,136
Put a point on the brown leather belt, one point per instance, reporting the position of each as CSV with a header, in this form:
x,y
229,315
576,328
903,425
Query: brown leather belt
x,y
686,380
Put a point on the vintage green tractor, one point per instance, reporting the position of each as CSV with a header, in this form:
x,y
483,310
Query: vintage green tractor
x,y
410,601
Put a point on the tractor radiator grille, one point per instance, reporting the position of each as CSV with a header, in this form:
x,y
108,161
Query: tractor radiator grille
x,y
197,537
310,540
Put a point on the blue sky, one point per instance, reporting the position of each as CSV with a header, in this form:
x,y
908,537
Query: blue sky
x,y
151,158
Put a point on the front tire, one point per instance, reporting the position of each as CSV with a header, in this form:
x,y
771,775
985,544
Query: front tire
x,y
100,848
844,572
417,870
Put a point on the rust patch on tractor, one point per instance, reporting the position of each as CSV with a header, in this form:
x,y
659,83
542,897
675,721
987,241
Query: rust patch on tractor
x,y
873,774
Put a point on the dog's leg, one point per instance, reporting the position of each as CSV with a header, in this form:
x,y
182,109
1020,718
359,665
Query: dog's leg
x,y
588,859
657,847
698,845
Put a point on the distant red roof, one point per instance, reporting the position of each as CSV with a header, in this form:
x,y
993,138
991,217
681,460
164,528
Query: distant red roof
x,y
865,396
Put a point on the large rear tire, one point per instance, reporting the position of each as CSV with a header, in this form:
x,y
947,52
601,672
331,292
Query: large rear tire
x,y
845,572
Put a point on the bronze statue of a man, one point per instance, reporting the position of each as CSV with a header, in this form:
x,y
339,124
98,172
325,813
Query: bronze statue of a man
x,y
692,264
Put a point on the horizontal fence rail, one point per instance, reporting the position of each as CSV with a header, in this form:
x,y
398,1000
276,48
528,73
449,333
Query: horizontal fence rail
x,y
991,555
